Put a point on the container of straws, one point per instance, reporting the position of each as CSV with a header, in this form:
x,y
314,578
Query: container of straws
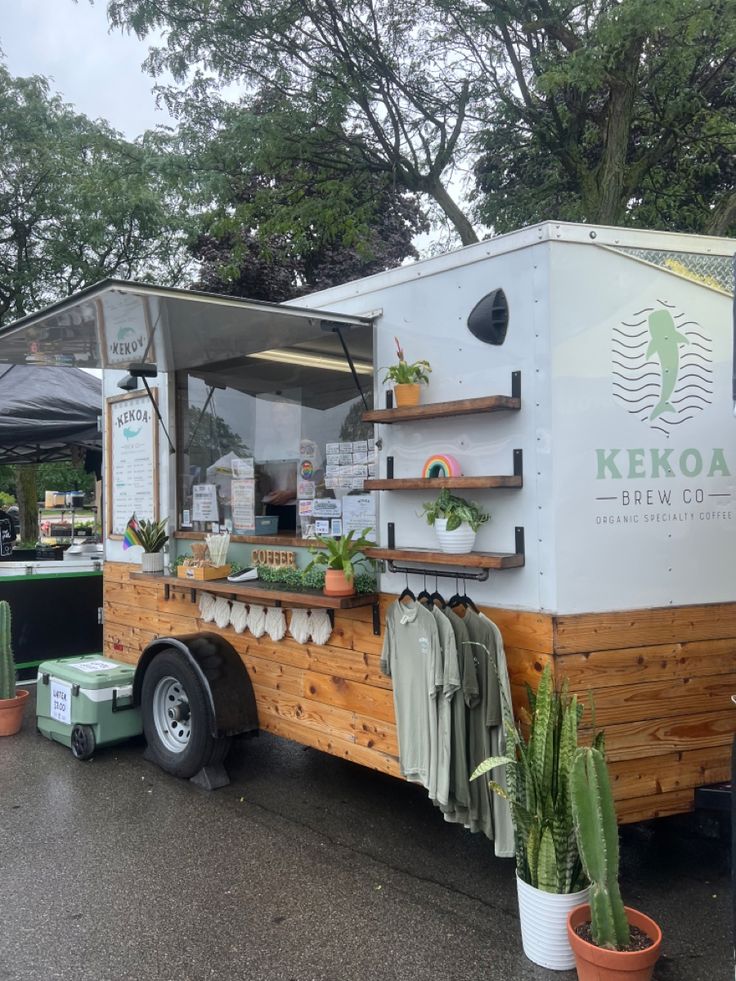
x,y
208,560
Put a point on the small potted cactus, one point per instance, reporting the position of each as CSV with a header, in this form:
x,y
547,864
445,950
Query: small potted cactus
x,y
609,940
12,700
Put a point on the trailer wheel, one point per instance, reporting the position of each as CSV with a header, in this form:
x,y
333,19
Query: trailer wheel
x,y
83,742
176,718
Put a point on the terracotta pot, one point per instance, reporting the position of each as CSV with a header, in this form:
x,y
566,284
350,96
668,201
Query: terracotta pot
x,y
407,394
336,584
598,964
11,712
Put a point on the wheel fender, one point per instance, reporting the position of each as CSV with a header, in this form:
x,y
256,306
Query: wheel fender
x,y
223,676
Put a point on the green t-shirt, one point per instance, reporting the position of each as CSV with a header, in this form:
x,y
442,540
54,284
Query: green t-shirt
x,y
482,715
450,685
457,808
412,658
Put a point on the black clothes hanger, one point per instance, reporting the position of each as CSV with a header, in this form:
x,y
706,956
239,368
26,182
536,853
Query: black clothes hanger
x,y
425,596
467,600
406,593
437,598
457,600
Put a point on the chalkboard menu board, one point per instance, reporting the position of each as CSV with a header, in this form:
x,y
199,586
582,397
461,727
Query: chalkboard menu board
x,y
132,461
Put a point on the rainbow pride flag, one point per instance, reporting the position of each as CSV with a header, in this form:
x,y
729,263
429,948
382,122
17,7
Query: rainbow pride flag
x,y
130,535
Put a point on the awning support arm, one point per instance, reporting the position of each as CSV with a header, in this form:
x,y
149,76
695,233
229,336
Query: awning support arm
x,y
201,417
349,357
152,400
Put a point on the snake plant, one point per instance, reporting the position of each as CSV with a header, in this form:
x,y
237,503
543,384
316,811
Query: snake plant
x,y
597,835
7,665
538,773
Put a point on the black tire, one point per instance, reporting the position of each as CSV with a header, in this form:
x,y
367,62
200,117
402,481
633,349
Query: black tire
x,y
176,717
83,742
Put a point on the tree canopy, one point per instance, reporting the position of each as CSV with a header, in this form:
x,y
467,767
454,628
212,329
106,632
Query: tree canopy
x,y
271,228
78,203
600,111
618,113
376,77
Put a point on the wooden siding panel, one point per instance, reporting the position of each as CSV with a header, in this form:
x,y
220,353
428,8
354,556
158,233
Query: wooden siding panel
x,y
584,632
663,774
674,699
330,743
662,805
658,737
660,662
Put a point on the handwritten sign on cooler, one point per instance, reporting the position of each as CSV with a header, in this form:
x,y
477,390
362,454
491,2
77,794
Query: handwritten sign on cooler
x,y
60,695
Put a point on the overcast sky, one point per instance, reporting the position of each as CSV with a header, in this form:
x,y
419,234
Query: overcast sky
x,y
97,71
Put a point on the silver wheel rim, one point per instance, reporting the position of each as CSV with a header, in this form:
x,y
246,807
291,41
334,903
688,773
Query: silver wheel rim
x,y
171,714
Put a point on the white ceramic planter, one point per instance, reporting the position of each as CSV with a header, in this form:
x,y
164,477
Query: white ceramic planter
x,y
152,562
543,918
457,541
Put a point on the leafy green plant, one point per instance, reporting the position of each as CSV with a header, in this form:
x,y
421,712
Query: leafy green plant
x,y
152,535
456,509
313,578
339,553
366,582
405,372
7,664
596,831
538,774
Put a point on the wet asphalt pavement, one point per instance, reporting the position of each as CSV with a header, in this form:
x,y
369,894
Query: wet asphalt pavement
x,y
305,868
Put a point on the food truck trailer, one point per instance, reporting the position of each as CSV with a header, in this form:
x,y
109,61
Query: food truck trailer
x,y
582,381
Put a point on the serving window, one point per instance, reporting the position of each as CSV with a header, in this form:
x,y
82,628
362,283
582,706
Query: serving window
x,y
273,443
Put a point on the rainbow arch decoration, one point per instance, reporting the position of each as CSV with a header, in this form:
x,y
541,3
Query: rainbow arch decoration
x,y
441,465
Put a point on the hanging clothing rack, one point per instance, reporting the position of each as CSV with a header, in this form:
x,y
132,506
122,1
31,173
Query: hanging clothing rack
x,y
479,576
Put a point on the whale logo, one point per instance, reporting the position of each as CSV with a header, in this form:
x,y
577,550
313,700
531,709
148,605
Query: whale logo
x,y
665,343
662,366
131,433
125,332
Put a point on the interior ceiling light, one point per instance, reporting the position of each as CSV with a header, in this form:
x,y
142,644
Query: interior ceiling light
x,y
312,361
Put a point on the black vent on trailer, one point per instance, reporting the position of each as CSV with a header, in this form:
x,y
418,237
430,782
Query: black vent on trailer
x,y
489,318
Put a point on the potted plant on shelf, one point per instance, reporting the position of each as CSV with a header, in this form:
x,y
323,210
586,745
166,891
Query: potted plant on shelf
x,y
549,874
601,934
455,521
407,378
12,700
339,555
152,536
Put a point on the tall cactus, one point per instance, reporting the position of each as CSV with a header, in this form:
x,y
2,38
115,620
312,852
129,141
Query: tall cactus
x,y
597,834
7,665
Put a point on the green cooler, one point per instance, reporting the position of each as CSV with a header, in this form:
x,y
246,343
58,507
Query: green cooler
x,y
85,702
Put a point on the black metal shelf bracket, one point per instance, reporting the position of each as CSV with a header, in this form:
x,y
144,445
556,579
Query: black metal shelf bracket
x,y
376,619
519,538
516,384
519,465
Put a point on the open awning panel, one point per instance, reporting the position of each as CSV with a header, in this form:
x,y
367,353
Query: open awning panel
x,y
115,324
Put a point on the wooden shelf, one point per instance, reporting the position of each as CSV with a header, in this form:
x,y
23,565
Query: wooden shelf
x,y
445,410
270,594
470,560
439,483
